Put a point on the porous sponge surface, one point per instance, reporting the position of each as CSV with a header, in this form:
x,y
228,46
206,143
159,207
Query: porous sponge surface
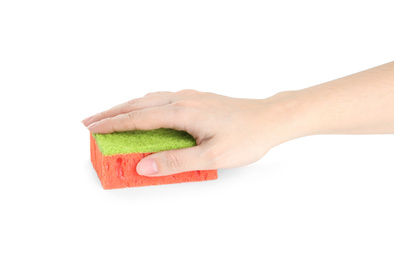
x,y
119,170
140,141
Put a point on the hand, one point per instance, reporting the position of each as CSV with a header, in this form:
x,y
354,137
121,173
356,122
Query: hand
x,y
229,132
232,132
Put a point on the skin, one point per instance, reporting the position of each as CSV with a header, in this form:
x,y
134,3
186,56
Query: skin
x,y
233,132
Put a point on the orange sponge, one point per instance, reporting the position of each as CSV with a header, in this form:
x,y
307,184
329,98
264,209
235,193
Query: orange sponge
x,y
119,170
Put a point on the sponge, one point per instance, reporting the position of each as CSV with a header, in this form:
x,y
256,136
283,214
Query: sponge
x,y
115,157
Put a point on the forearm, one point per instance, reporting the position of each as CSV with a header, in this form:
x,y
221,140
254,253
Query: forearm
x,y
362,103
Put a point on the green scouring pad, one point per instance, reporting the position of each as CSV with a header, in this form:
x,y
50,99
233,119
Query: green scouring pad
x,y
139,141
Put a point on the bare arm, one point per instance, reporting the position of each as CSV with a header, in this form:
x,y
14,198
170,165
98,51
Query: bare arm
x,y
233,132
362,103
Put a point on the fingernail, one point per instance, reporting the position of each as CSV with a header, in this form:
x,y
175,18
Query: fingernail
x,y
92,125
147,167
86,120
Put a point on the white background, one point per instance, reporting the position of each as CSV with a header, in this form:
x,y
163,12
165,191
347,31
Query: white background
x,y
319,197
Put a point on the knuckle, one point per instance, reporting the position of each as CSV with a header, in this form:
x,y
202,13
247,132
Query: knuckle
x,y
181,110
150,94
212,157
134,114
187,92
133,101
132,118
183,103
156,93
172,161
111,123
103,114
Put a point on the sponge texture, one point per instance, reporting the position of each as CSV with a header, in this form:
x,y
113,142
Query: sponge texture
x,y
115,157
139,141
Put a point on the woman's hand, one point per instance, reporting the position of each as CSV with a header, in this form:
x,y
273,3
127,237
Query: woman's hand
x,y
232,132
229,132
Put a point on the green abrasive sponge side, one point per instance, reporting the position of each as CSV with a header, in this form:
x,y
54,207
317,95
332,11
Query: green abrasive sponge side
x,y
139,141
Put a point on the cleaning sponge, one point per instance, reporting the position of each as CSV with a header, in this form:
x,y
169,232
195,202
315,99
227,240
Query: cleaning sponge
x,y
115,157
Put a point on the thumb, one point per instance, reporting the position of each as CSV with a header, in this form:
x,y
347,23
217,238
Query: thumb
x,y
172,161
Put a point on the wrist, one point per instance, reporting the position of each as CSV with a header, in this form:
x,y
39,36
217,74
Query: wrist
x,y
289,110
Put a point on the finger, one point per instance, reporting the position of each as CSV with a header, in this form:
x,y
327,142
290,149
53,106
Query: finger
x,y
149,100
174,161
144,119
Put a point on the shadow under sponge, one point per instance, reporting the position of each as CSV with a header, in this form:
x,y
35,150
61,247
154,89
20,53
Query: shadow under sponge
x,y
115,157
